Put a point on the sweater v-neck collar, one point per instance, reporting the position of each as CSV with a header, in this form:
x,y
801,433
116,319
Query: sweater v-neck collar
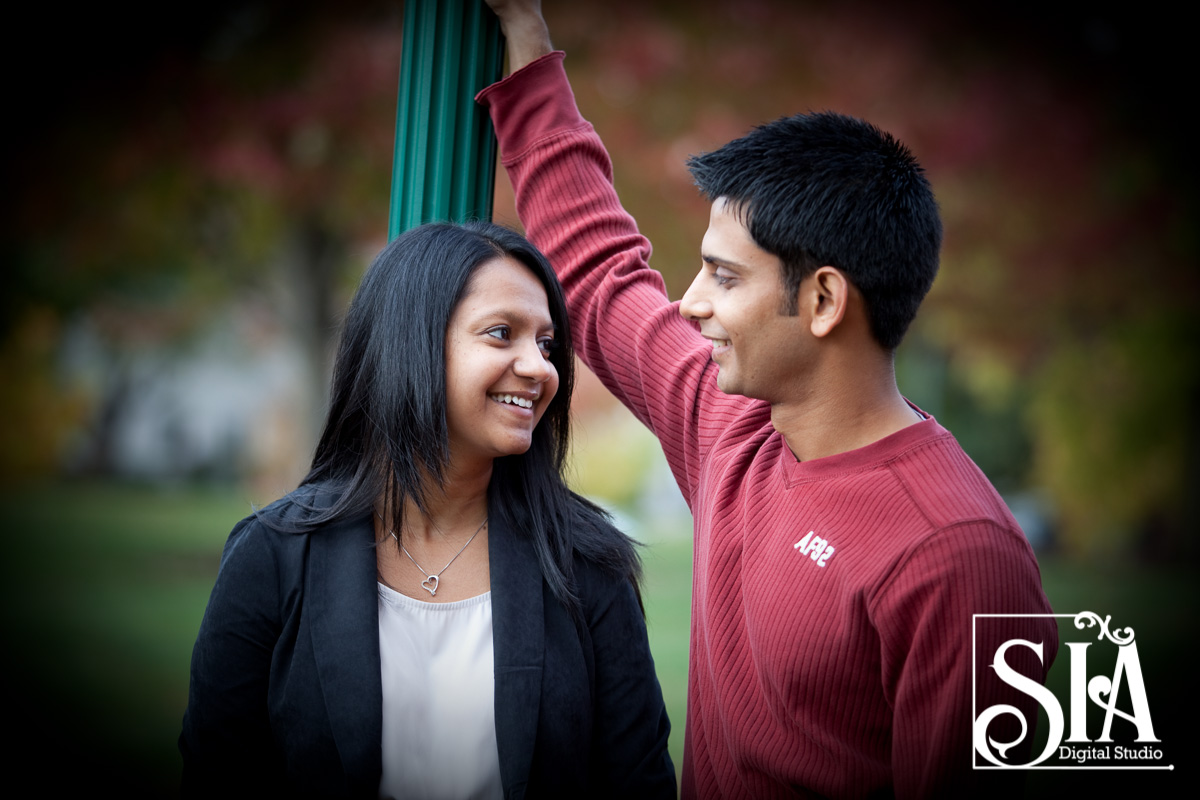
x,y
863,458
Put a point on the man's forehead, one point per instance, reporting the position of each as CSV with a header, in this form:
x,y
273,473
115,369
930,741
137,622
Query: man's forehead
x,y
728,241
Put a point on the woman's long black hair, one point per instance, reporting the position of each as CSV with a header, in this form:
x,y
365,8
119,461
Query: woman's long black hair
x,y
386,432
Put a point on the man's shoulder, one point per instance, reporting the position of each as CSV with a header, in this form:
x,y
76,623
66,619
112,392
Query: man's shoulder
x,y
962,524
947,485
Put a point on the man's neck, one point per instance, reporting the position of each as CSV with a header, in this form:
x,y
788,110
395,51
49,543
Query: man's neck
x,y
843,416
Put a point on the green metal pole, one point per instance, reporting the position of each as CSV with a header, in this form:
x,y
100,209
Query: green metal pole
x,y
444,167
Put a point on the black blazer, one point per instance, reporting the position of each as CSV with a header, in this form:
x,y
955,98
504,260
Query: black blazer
x,y
286,698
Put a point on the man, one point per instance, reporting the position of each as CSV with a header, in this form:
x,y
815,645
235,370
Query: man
x,y
843,540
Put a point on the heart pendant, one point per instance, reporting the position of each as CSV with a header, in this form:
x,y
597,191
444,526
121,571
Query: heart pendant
x,y
430,584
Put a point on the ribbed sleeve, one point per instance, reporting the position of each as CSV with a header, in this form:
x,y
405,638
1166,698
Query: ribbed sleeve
x,y
626,330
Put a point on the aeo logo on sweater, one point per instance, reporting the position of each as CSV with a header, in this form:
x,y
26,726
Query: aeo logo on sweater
x,y
816,548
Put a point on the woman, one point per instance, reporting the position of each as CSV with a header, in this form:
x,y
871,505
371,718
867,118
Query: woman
x,y
513,661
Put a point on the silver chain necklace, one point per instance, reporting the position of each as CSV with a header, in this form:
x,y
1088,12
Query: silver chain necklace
x,y
430,584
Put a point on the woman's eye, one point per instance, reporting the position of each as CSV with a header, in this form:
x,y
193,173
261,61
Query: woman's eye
x,y
547,346
499,332
722,279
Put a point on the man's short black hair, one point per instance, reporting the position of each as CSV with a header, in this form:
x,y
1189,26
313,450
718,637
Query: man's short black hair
x,y
827,189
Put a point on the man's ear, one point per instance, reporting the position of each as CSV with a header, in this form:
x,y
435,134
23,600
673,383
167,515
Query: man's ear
x,y
829,296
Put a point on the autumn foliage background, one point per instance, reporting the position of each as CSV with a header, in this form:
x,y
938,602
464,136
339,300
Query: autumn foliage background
x,y
219,174
238,157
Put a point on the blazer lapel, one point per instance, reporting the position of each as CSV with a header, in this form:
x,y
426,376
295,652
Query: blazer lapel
x,y
518,632
344,618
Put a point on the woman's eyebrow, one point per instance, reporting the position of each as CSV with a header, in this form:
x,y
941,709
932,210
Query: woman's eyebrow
x,y
510,315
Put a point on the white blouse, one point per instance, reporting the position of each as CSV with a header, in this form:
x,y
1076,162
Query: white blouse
x,y
439,721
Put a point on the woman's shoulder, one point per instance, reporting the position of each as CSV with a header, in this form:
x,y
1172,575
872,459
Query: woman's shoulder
x,y
283,523
298,508
606,558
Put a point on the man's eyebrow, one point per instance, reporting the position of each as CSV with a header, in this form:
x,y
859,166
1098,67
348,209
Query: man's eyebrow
x,y
718,261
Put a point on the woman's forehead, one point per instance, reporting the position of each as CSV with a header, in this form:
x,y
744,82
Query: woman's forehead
x,y
505,286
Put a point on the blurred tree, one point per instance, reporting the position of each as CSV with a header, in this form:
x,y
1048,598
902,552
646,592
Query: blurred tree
x,y
1058,342
247,146
1112,414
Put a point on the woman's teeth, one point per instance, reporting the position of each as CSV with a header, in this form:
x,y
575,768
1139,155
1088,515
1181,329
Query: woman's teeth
x,y
516,401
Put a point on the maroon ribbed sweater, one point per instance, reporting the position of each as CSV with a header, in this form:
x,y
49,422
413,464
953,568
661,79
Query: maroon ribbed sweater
x,y
837,663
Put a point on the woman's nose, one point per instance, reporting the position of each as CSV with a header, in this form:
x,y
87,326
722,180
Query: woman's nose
x,y
532,363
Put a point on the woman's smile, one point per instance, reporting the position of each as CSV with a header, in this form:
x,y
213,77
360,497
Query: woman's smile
x,y
519,400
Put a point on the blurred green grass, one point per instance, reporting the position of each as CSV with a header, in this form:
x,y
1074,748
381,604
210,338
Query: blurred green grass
x,y
104,586
103,590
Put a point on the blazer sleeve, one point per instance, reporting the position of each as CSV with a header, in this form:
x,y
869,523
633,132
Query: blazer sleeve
x,y
226,744
629,740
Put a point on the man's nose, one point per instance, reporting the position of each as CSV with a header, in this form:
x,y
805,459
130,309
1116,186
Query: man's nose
x,y
695,305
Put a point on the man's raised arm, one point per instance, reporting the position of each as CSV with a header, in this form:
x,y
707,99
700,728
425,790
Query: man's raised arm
x,y
525,31
624,326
